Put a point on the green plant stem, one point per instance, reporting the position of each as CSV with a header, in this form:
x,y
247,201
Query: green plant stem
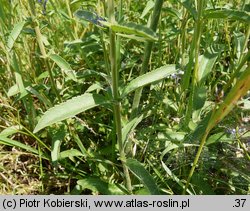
x,y
196,159
116,96
42,49
147,54
195,57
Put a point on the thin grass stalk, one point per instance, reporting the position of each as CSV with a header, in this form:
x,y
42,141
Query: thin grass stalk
x,y
71,16
147,54
116,96
42,49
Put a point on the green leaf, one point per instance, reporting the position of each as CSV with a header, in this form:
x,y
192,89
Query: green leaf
x,y
227,14
173,12
69,109
13,90
218,137
42,98
200,97
206,63
130,126
132,29
142,174
190,8
149,6
65,67
18,75
174,177
89,16
200,129
14,34
148,78
97,185
10,130
70,153
57,139
239,39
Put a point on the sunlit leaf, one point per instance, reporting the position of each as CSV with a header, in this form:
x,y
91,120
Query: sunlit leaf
x,y
15,34
132,29
65,67
69,109
148,78
227,14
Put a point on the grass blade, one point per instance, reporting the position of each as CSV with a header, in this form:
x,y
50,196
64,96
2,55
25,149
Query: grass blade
x,y
7,141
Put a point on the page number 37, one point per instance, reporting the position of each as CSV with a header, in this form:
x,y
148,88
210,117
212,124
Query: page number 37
x,y
239,202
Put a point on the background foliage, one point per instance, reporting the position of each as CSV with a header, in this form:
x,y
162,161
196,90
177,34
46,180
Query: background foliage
x,y
101,97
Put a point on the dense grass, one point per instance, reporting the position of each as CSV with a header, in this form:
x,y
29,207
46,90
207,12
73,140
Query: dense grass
x,y
124,97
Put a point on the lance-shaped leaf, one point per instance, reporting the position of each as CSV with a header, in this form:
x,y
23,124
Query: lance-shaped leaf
x,y
227,14
148,78
132,29
65,67
69,109
89,16
14,34
142,174
207,61
130,126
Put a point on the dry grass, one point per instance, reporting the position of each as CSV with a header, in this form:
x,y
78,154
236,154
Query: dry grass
x,y
18,172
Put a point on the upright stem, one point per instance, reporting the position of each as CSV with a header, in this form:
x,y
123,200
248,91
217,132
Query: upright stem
x,y
116,96
147,54
195,57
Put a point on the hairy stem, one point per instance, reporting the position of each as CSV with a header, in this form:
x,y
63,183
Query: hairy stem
x,y
116,95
